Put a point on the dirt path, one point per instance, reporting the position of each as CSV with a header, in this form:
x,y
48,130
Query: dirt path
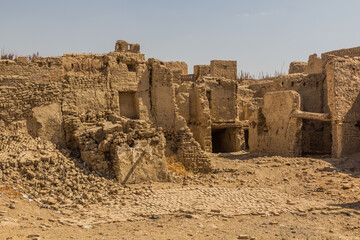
x,y
247,197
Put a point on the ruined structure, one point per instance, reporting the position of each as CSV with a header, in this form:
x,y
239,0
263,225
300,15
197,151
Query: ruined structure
x,y
118,110
107,109
319,111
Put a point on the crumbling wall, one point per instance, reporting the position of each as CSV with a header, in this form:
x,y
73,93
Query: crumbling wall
x,y
107,108
343,88
81,100
313,99
177,66
193,105
297,67
184,100
123,46
163,96
245,102
200,122
350,52
85,84
127,73
309,86
222,68
179,69
167,116
345,52
64,100
113,148
46,122
272,129
211,110
190,152
314,64
25,85
222,97
201,71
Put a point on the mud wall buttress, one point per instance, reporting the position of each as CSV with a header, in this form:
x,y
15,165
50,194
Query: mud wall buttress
x,y
343,87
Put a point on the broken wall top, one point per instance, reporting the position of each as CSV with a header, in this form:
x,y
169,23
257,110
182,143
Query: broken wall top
x,y
177,66
222,68
201,70
309,86
343,81
312,66
123,46
350,52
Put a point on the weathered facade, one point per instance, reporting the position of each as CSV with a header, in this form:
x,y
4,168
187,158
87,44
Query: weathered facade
x,y
327,112
111,109
312,110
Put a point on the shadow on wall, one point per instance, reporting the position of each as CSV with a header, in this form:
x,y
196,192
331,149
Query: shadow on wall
x,y
351,127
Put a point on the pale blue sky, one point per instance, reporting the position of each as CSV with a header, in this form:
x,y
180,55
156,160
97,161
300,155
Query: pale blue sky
x,y
262,35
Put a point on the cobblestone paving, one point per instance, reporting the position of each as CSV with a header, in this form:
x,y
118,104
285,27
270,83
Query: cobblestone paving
x,y
224,201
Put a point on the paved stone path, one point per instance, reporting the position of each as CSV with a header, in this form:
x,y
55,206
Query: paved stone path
x,y
223,201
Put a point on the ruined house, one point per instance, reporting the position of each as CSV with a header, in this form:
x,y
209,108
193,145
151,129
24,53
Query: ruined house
x,y
313,110
112,109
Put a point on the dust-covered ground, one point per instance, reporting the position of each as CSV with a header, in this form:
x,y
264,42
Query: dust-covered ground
x,y
246,197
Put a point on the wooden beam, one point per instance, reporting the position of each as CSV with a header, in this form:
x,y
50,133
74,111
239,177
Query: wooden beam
x,y
310,115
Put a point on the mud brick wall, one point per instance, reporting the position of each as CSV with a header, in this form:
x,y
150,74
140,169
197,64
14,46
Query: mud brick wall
x,y
201,70
244,102
350,136
346,52
162,95
181,67
272,129
343,87
350,52
222,97
309,86
314,64
200,123
190,153
85,81
167,116
25,85
297,67
221,68
313,95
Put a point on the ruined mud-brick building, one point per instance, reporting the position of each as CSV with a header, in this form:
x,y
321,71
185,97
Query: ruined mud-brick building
x,y
113,109
315,109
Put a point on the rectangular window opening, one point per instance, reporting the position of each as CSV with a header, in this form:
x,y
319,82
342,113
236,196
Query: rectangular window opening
x,y
128,104
131,67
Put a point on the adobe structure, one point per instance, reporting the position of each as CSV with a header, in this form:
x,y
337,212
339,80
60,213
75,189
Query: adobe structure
x,y
112,109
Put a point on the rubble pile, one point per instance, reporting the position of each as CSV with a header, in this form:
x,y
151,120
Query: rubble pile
x,y
111,148
37,169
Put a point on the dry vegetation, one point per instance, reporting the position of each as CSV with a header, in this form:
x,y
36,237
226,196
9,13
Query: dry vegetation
x,y
12,56
175,166
243,75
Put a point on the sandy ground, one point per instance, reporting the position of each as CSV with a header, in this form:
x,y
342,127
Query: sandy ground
x,y
246,197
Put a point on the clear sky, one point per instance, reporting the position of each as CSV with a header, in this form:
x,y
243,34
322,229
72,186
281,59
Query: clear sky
x,y
262,35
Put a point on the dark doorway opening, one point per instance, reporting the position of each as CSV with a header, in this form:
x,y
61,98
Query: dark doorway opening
x,y
225,139
316,137
217,137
